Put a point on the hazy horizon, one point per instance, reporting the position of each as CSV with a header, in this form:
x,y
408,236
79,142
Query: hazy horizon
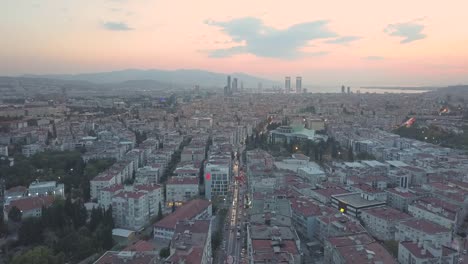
x,y
396,43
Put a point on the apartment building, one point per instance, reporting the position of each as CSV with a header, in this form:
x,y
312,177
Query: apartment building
x,y
381,222
180,190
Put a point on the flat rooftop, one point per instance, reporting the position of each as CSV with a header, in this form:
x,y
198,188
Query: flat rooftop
x,y
355,200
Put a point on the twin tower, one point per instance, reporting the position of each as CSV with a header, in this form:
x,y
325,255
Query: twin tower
x,y
287,84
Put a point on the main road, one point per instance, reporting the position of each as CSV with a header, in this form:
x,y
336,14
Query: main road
x,y
236,231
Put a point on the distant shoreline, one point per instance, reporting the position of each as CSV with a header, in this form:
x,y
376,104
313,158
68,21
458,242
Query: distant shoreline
x,y
419,88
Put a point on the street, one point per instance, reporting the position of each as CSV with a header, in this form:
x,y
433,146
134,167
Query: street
x,y
236,233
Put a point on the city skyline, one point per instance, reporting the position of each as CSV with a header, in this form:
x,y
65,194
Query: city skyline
x,y
397,43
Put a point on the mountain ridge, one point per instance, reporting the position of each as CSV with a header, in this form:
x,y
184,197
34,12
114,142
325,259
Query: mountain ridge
x,y
185,77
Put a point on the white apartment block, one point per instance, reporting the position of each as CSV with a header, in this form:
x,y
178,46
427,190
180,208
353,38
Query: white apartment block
x,y
435,210
133,206
410,252
101,181
130,209
420,230
148,174
381,221
31,149
181,189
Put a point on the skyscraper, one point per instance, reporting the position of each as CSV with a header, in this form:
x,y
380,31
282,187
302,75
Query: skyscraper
x,y
287,84
234,85
298,84
349,90
342,89
227,88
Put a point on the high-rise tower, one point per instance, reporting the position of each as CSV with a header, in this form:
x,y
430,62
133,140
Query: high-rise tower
x,y
298,84
287,84
234,85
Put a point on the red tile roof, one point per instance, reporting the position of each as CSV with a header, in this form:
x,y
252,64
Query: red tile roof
x,y
16,189
305,207
31,203
187,212
183,180
113,257
194,256
425,225
387,213
141,246
415,250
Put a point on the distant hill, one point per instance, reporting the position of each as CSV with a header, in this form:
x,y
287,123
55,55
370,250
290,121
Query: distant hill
x,y
176,77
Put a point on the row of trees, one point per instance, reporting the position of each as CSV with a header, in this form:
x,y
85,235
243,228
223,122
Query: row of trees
x,y
217,236
435,135
175,159
64,234
63,166
316,150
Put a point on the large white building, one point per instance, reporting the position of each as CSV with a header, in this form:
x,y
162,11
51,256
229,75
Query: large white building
x,y
38,188
217,179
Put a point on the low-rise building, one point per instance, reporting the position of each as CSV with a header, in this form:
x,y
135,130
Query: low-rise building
x,y
266,244
128,257
353,203
399,198
191,243
193,210
381,221
359,248
410,252
418,229
14,193
31,149
29,206
38,188
435,210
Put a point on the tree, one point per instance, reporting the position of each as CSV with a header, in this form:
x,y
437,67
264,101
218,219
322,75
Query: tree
x,y
39,255
30,231
160,214
392,247
165,252
15,214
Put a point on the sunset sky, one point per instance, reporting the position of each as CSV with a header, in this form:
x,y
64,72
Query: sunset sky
x,y
360,42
